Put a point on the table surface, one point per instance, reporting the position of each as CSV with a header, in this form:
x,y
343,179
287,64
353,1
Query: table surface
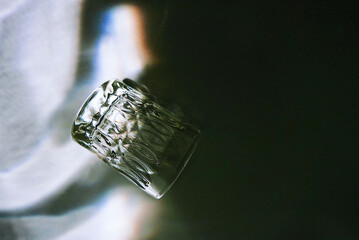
x,y
274,89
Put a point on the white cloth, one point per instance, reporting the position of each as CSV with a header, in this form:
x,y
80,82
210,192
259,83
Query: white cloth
x,y
39,48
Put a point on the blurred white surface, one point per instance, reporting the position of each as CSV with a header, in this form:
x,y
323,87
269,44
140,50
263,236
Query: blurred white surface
x,y
39,50
39,47
121,49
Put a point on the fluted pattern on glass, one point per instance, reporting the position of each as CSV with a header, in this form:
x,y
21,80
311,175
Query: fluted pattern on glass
x,y
125,127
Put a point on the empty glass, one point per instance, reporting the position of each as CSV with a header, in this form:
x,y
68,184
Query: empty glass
x,y
122,123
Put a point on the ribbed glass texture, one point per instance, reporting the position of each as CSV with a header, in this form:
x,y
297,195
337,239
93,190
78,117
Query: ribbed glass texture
x,y
124,126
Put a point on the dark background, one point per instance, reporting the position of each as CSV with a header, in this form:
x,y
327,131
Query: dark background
x,y
274,88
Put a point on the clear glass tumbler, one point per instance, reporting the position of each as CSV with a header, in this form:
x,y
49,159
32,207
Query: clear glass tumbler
x,y
124,126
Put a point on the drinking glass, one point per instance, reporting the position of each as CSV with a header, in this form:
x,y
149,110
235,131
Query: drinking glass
x,y
122,123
